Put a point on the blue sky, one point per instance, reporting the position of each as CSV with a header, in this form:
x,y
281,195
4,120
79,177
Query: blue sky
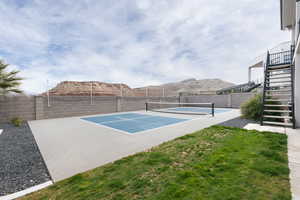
x,y
137,42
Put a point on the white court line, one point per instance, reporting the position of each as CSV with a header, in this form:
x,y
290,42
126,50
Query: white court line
x,y
166,126
120,119
145,131
104,126
151,129
26,191
188,120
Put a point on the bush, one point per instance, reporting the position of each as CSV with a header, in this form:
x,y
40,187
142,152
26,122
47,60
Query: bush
x,y
17,122
251,109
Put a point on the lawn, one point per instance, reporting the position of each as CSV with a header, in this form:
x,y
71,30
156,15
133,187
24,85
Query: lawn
x,y
214,163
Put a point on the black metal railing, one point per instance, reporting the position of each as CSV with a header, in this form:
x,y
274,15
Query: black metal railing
x,y
247,87
293,85
292,53
266,84
280,58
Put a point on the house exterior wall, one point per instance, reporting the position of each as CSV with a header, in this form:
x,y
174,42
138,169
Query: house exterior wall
x,y
287,13
295,40
290,15
297,89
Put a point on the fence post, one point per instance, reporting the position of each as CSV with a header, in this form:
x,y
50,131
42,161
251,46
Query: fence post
x,y
119,104
91,93
229,100
39,107
121,90
48,94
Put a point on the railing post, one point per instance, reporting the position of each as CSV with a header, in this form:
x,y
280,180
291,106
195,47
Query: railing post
x,y
264,89
292,85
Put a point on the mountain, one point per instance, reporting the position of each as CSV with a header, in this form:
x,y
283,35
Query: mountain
x,y
193,86
84,88
188,86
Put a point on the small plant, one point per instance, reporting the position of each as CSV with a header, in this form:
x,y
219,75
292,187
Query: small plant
x,y
17,121
251,109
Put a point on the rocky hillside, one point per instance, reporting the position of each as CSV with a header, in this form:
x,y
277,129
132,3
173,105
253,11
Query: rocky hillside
x,y
190,86
84,88
193,86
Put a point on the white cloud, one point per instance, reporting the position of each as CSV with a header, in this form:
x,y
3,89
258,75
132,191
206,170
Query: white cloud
x,y
136,42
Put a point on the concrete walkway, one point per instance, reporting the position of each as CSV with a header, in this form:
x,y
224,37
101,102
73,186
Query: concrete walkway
x,y
293,153
71,145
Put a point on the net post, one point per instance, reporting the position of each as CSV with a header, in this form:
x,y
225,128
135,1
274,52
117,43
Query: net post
x,y
146,106
213,109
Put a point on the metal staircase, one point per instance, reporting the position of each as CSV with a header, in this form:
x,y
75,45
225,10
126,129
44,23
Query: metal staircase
x,y
278,94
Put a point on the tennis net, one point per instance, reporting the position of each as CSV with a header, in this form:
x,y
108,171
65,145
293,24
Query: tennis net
x,y
182,108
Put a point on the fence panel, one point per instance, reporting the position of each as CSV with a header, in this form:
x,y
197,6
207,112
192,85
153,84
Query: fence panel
x,y
66,106
221,101
31,107
17,106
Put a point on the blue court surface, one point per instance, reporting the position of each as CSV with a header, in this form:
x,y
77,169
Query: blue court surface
x,y
133,122
198,110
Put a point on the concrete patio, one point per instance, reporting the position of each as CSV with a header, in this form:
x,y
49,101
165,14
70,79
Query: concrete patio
x,y
71,145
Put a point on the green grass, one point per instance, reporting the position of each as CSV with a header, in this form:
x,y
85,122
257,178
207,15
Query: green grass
x,y
214,163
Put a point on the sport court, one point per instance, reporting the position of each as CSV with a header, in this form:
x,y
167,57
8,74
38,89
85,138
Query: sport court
x,y
77,144
133,122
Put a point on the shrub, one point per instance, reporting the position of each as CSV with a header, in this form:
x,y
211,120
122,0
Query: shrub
x,y
17,121
251,109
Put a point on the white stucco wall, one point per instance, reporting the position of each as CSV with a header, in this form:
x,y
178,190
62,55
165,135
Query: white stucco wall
x,y
288,13
297,88
296,26
295,32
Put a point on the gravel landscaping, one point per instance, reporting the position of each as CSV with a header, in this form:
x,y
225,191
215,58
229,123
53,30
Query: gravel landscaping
x,y
237,122
21,163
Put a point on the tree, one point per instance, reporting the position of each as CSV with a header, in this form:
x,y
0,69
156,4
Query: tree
x,y
9,81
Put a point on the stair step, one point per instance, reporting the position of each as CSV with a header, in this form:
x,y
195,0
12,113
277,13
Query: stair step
x,y
279,71
270,82
283,73
279,67
280,95
278,91
277,117
278,111
280,64
277,100
278,123
282,77
281,105
279,85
